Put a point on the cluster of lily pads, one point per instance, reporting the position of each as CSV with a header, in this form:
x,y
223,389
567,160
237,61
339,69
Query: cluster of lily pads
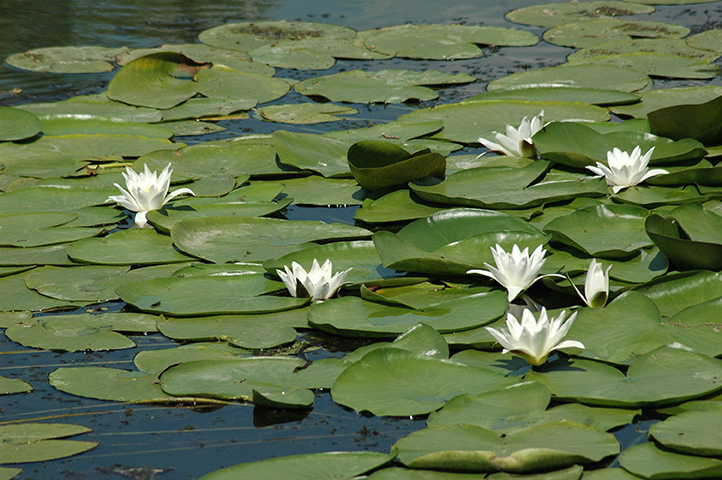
x,y
221,270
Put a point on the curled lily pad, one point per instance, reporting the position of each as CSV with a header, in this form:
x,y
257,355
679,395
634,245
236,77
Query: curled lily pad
x,y
701,121
376,164
312,53
17,124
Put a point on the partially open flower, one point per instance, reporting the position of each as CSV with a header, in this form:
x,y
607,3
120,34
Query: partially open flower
x,y
146,191
318,284
516,271
517,143
596,285
534,340
626,170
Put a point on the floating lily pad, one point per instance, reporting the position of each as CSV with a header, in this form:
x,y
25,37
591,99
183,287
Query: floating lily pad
x,y
678,291
37,442
50,255
701,121
317,153
381,86
468,448
84,283
304,113
390,381
247,331
227,239
16,296
156,361
669,46
317,466
589,76
376,164
249,36
599,30
453,241
663,376
193,127
39,229
692,433
86,59
14,385
95,106
396,206
322,192
710,40
657,64
554,14
658,99
16,124
189,296
312,53
351,316
127,247
421,338
443,42
209,108
559,93
57,333
649,461
81,125
465,122
683,252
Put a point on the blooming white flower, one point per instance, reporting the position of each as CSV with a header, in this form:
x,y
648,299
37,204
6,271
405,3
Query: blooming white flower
x,y
146,191
626,170
517,143
317,283
516,271
535,340
596,285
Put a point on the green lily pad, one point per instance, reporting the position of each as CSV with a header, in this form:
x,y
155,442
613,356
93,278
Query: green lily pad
x,y
16,296
443,42
317,466
506,188
312,53
676,292
304,113
156,361
465,122
667,97
84,283
16,124
50,255
587,230
227,239
237,379
554,14
599,30
249,36
209,109
692,433
669,46
381,86
127,247
52,199
418,295
246,331
182,128
468,448
571,473
453,241
397,206
649,461
657,64
14,385
421,338
39,229
80,125
390,381
85,59
559,93
322,192
663,376
351,316
589,76
57,333
376,164
95,106
211,295
316,153
682,251
700,121
710,40
37,442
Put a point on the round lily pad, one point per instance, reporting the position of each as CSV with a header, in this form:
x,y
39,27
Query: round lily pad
x,y
649,461
86,59
591,32
37,442
554,14
305,113
692,433
16,124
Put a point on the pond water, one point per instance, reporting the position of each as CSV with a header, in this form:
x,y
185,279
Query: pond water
x,y
181,442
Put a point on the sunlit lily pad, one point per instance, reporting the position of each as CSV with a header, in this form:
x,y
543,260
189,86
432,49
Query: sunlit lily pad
x,y
50,255
158,360
317,153
661,377
649,461
318,466
209,108
305,113
657,64
322,192
16,124
249,36
37,442
678,291
183,128
710,40
396,206
16,296
599,30
468,448
589,76
554,14
351,316
247,331
57,333
692,433
312,53
443,42
83,283
39,229
559,93
95,106
381,86
81,125
390,381
465,122
227,239
453,241
667,97
127,247
683,252
421,338
13,385
85,59
700,121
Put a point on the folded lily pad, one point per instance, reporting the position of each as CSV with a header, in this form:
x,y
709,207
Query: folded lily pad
x,y
683,252
700,122
468,448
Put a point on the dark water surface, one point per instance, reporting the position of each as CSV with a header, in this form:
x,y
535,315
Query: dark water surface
x,y
172,443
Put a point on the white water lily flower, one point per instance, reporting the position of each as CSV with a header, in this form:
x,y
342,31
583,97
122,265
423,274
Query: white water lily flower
x,y
626,170
317,283
596,285
517,143
516,271
535,339
146,191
